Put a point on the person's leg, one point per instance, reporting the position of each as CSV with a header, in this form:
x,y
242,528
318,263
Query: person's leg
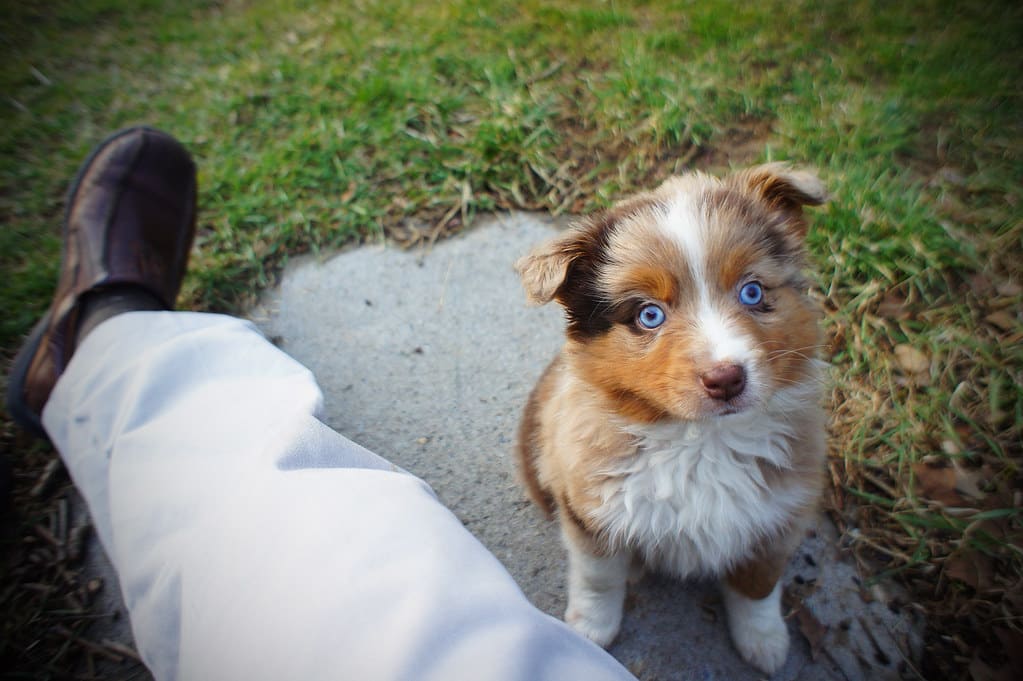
x,y
251,540
254,542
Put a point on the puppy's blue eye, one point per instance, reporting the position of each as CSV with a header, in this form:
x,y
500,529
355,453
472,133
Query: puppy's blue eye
x,y
650,316
751,294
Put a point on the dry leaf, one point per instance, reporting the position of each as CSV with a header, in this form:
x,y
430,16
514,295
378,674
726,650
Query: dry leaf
x,y
981,286
968,480
812,630
1002,320
1000,530
893,306
937,484
349,192
971,568
1009,289
911,360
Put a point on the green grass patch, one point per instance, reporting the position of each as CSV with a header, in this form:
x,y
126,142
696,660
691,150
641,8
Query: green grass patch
x,y
319,124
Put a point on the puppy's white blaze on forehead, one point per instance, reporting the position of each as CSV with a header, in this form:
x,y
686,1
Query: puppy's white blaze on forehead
x,y
684,222
725,341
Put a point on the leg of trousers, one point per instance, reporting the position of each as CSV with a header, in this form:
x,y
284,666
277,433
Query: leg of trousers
x,y
253,542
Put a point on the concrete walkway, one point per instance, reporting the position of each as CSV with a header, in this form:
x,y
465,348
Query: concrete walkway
x,y
427,358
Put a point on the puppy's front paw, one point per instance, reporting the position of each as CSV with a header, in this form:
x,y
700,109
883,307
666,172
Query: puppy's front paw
x,y
597,621
758,629
764,644
596,593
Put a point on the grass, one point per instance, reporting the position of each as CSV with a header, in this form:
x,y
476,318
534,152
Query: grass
x,y
321,124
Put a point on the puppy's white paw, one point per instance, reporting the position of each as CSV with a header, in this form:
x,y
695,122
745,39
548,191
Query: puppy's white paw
x,y
597,621
765,646
596,594
758,629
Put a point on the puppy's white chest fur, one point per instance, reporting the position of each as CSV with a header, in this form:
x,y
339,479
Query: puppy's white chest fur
x,y
694,498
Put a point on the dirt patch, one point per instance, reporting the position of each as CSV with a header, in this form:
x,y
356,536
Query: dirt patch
x,y
741,144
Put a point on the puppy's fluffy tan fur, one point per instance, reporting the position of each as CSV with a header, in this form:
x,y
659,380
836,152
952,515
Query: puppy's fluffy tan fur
x,y
680,422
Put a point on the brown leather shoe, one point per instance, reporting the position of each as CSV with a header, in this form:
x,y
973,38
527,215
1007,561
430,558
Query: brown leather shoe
x,y
130,221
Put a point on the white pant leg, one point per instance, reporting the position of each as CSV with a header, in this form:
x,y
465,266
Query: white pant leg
x,y
253,542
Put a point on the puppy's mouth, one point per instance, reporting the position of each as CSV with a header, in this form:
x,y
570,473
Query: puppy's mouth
x,y
718,408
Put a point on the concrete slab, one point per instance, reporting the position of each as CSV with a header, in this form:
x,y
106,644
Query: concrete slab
x,y
427,358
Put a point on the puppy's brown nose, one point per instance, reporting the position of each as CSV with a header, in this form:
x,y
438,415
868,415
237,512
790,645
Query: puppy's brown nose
x,y
724,382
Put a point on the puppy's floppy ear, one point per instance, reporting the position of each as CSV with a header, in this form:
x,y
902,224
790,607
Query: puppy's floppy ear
x,y
784,189
544,269
783,186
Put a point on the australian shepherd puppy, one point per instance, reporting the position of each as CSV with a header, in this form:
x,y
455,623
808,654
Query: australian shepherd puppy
x,y
680,424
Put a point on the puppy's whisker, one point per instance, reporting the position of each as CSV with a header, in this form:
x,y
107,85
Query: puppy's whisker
x,y
798,352
805,348
781,344
788,353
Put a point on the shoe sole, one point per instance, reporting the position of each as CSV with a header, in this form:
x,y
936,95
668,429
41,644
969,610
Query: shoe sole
x,y
16,407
